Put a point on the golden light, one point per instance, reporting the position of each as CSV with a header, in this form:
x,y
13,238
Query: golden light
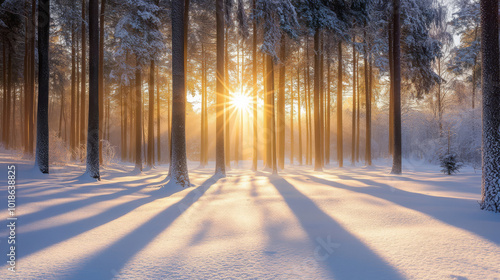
x,y
240,101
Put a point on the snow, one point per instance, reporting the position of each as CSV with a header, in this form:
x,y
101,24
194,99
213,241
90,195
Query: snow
x,y
349,223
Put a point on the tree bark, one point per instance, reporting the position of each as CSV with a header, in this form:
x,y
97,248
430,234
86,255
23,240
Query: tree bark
x,y
490,199
397,161
220,159
42,139
281,104
101,77
340,143
255,92
317,122
271,113
151,133
93,149
353,133
138,117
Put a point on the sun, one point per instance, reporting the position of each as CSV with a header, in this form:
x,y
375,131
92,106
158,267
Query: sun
x,y
240,100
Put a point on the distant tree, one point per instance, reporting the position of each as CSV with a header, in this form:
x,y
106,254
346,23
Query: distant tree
x,y
274,17
465,57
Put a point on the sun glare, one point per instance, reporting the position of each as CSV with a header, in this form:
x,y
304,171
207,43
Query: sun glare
x,y
240,100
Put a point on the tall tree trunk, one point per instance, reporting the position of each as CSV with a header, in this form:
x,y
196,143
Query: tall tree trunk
x,y
397,161
358,107
271,113
101,77
93,149
179,170
391,90
5,95
291,121
317,96
299,109
368,99
440,107
281,104
138,117
158,118
61,113
353,133
490,199
220,159
340,138
42,138
227,116
202,122
151,133
321,103
73,96
83,91
78,99
255,92
327,115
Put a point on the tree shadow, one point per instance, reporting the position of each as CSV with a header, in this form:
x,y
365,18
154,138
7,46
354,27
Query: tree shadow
x,y
117,254
457,212
348,258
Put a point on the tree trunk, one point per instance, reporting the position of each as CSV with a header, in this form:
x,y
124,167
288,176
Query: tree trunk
x,y
397,161
101,77
220,159
73,96
271,113
317,96
179,168
255,92
291,121
358,108
391,91
490,199
83,91
5,96
93,149
340,143
61,112
299,109
327,114
227,141
158,119
151,133
138,117
42,139
321,103
309,110
281,104
368,107
353,133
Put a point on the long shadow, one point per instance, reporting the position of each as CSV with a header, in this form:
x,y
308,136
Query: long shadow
x,y
105,264
65,207
457,212
352,259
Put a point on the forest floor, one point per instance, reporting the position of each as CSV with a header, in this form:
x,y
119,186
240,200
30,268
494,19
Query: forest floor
x,y
343,223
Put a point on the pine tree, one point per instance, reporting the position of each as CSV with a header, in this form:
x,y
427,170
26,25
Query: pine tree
x,y
42,139
397,161
93,149
220,159
179,172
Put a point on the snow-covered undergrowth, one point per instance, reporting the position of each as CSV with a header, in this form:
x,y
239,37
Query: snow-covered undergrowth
x,y
350,223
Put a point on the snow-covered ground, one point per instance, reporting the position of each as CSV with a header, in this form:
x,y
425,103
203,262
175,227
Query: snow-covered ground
x,y
349,223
